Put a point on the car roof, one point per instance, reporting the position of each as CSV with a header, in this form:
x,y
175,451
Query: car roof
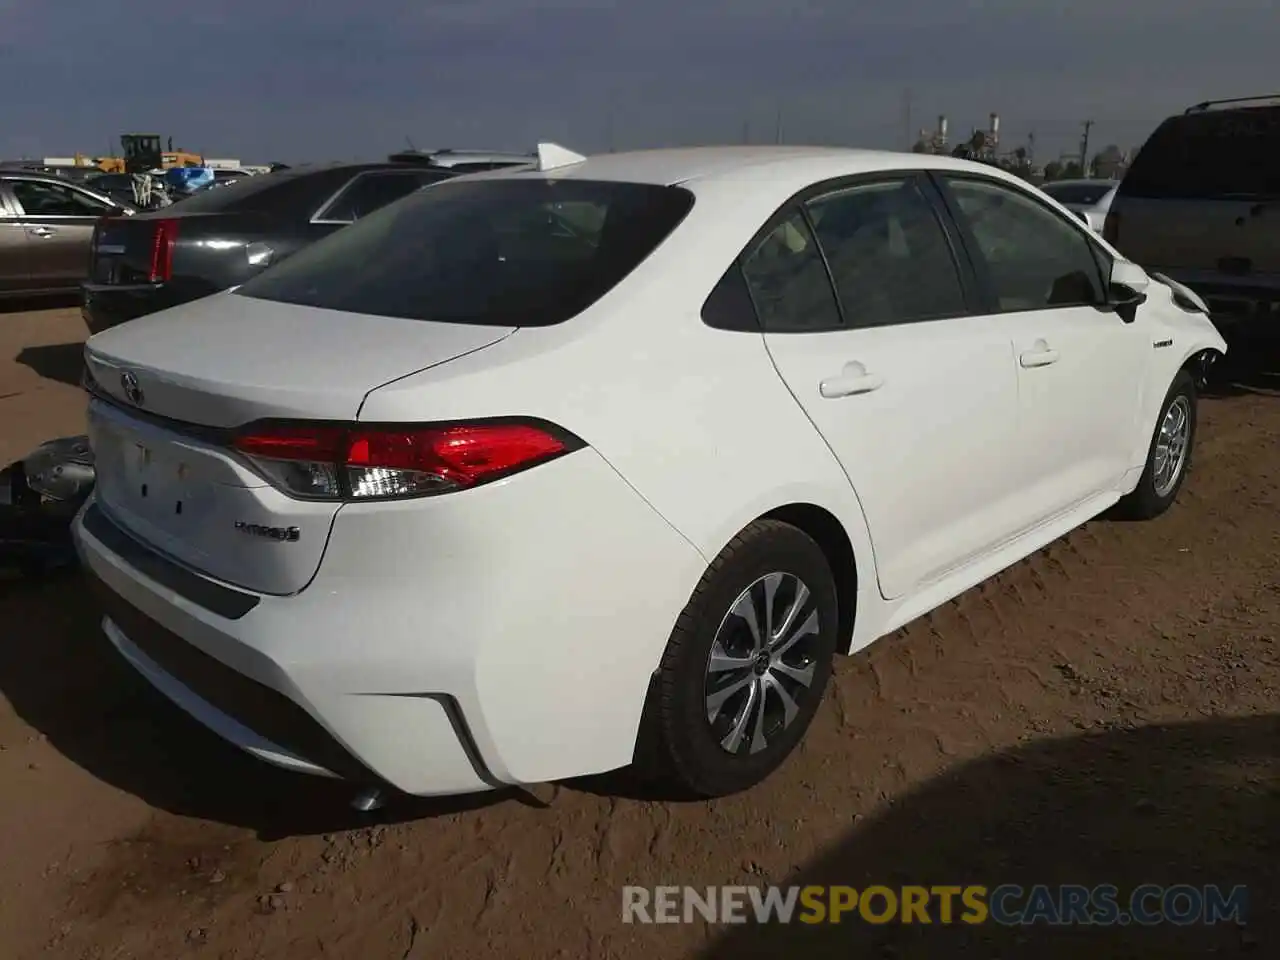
x,y
794,166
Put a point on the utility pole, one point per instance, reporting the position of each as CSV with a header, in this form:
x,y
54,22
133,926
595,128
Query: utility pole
x,y
907,141
1084,149
777,128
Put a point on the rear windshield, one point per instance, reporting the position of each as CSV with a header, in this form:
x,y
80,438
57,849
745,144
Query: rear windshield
x,y
506,252
1082,194
1217,154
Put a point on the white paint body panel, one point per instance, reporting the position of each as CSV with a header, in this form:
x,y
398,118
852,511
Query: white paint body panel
x,y
540,604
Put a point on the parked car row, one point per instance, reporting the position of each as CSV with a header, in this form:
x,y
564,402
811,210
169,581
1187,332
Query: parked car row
x,y
547,471
48,238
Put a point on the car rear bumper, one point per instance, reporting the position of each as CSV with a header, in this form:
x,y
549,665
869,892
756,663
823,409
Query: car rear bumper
x,y
519,654
107,305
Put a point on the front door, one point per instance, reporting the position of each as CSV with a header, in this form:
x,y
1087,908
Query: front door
x,y
58,220
1079,364
915,394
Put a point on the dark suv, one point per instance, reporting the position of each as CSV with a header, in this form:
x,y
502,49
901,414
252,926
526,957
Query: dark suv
x,y
1201,204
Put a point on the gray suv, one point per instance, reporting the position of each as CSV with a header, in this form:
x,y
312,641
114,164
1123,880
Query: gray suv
x,y
1201,204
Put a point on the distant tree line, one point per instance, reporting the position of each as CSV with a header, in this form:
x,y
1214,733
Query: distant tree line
x,y
1106,163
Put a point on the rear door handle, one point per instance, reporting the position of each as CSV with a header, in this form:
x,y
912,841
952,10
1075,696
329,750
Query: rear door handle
x,y
854,379
1040,355
41,231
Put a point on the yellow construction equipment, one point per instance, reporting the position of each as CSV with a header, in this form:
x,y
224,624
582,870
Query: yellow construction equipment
x,y
143,152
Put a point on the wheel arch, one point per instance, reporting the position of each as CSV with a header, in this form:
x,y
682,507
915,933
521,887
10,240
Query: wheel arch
x,y
834,541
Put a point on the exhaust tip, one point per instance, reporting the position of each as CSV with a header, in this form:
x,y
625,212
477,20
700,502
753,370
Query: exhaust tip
x,y
369,800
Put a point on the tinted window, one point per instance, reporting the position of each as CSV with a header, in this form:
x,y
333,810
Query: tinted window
x,y
1034,258
888,254
1080,194
788,281
372,191
1215,154
54,200
509,252
729,306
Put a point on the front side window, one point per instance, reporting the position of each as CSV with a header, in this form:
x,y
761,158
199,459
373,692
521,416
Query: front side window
x,y
503,252
1034,258
788,281
888,254
39,199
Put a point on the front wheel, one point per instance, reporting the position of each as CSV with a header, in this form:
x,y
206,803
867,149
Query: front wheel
x,y
746,665
1169,456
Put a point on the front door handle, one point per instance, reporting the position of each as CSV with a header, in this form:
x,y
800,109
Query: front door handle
x,y
41,231
1040,355
853,379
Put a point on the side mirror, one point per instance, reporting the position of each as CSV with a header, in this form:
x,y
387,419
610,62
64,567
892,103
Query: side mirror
x,y
1127,290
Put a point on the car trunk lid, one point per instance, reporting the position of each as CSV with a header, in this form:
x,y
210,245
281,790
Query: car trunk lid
x,y
172,388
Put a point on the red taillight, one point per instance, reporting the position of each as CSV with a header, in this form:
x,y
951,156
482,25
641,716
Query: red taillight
x,y
1111,228
163,238
377,462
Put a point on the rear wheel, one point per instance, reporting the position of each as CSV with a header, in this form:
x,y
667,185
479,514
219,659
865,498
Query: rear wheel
x,y
747,664
1169,456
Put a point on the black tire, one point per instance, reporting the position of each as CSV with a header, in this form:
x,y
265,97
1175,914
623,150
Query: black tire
x,y
1147,500
678,742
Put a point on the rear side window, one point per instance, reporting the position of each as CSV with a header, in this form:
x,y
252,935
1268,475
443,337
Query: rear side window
x,y
888,254
1217,154
373,191
788,281
509,252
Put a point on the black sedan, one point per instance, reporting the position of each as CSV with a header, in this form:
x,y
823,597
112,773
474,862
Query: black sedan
x,y
219,238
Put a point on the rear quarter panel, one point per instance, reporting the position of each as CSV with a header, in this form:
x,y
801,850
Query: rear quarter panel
x,y
696,420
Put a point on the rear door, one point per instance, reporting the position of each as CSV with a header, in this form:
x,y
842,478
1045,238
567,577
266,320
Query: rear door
x,y
15,269
1203,196
915,394
1080,367
58,220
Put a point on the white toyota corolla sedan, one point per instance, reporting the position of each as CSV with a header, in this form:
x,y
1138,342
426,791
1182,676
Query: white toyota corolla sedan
x,y
542,473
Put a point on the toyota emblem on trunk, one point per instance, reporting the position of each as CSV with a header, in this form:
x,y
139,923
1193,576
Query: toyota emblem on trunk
x,y
129,383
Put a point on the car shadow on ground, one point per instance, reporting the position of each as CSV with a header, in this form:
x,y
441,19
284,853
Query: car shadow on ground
x,y
55,301
64,680
1196,804
63,362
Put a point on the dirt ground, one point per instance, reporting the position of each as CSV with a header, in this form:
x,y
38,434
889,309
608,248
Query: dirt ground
x,y
1106,712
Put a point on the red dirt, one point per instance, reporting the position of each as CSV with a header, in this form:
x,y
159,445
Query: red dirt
x,y
1106,712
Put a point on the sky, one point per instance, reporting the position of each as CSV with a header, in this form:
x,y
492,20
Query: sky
x,y
296,80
